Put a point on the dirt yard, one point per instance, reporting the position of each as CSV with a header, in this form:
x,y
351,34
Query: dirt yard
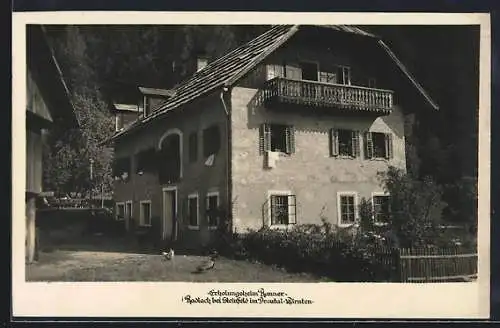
x,y
123,264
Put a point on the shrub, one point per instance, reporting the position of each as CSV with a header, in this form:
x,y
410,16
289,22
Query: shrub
x,y
415,207
321,249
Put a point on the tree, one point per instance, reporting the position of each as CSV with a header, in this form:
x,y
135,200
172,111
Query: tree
x,y
415,207
70,151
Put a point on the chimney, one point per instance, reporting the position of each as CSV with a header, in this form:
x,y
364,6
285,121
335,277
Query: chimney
x,y
201,62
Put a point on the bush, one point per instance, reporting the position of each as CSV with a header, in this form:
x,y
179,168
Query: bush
x,y
415,207
321,249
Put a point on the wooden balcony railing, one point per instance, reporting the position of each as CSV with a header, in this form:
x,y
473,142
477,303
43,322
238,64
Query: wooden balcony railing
x,y
328,95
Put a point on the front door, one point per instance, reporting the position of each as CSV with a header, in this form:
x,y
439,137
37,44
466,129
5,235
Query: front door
x,y
169,213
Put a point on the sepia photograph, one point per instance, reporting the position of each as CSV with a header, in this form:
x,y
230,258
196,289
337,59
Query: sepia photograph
x,y
252,153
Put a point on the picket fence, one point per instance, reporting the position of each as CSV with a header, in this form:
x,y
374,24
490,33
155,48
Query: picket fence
x,y
429,264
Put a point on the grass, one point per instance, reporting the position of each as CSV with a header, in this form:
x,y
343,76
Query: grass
x,y
86,264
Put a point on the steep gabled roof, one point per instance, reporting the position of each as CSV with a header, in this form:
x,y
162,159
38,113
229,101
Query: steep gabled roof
x,y
227,70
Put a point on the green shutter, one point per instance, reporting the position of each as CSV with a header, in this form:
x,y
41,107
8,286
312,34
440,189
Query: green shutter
x,y
355,143
290,140
368,145
264,138
334,142
388,146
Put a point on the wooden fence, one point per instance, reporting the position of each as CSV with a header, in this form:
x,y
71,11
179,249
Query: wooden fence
x,y
429,265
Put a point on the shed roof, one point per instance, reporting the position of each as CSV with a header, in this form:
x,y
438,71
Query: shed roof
x,y
229,68
156,92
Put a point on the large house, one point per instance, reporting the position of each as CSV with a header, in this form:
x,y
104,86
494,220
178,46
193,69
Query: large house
x,y
47,104
287,129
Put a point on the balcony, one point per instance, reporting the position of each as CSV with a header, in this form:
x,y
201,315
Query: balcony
x,y
332,97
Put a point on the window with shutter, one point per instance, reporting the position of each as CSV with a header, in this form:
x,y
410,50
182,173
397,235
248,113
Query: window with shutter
x,y
355,143
282,209
290,139
388,146
277,138
381,208
347,207
192,210
264,138
212,207
381,144
334,142
345,142
368,145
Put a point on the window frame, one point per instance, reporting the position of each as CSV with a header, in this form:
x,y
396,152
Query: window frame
x,y
266,138
208,195
269,218
354,144
342,78
383,137
188,211
117,205
341,194
141,213
378,194
388,145
128,215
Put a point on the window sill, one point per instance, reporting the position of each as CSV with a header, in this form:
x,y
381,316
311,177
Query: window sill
x,y
190,227
282,226
379,159
344,157
212,227
348,225
145,225
380,224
